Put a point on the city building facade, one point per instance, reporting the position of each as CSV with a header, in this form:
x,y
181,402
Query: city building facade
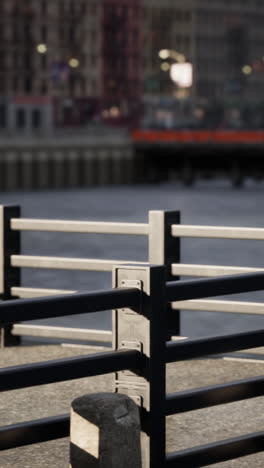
x,y
222,39
223,42
80,57
70,61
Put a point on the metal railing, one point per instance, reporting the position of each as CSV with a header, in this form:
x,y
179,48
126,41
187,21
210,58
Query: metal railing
x,y
216,232
160,247
140,302
163,231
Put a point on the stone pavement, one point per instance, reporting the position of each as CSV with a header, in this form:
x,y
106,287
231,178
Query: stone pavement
x,y
184,430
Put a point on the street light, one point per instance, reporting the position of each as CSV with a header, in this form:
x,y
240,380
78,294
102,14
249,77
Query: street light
x,y
165,66
74,62
181,72
247,69
41,48
169,53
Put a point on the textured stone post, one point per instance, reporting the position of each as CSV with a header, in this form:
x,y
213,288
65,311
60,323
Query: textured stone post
x,y
143,328
105,432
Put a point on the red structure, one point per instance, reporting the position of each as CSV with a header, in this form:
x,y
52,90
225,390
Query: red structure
x,y
216,137
121,55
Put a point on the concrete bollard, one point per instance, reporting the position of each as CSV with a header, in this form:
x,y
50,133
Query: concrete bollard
x,y
105,432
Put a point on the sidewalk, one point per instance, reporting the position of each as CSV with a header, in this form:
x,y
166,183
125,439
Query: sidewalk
x,y
184,430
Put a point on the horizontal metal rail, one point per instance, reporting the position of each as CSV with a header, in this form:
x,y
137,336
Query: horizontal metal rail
x,y
70,304
27,293
66,333
64,263
24,224
57,306
217,452
93,264
219,232
41,373
51,428
205,397
181,269
197,289
33,432
234,307
191,349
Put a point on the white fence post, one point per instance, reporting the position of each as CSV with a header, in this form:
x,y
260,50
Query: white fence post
x,y
105,432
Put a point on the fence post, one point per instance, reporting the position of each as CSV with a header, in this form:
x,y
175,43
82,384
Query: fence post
x,y
9,276
164,249
105,432
145,330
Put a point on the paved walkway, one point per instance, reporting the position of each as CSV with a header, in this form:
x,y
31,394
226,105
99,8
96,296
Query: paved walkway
x,y
185,430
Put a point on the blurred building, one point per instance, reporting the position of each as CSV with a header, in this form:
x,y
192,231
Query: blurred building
x,y
49,47
71,61
79,57
167,26
223,40
122,74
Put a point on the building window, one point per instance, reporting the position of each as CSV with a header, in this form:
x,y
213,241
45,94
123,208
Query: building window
x,y
93,9
83,7
2,84
36,118
27,60
15,84
43,88
20,118
44,33
43,61
2,59
43,7
28,85
3,116
93,60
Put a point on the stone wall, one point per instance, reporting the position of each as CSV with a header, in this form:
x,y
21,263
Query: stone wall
x,y
65,163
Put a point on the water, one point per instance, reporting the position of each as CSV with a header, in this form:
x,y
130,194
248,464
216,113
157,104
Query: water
x,y
208,203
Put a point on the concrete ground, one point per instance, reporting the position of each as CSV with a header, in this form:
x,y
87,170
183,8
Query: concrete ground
x,y
184,430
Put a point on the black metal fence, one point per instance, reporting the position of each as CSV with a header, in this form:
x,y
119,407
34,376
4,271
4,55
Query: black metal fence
x,y
163,248
139,361
163,231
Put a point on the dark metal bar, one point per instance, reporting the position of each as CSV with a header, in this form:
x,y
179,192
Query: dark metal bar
x,y
206,397
29,375
198,289
190,349
56,306
10,244
164,249
224,450
33,432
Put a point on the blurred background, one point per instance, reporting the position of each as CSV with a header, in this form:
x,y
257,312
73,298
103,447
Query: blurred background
x,y
109,108
158,75
151,63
